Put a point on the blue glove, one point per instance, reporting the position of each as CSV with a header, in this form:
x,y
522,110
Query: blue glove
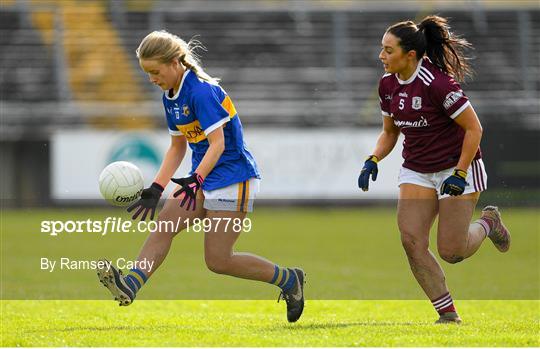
x,y
455,184
370,168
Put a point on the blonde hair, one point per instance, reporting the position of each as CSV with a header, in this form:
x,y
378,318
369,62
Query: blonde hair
x,y
166,47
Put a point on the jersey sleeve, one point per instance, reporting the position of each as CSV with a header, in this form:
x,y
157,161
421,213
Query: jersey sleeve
x,y
209,109
450,97
384,101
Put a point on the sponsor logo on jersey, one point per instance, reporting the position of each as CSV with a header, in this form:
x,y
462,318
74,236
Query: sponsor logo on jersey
x,y
406,124
452,98
403,94
416,103
388,97
193,131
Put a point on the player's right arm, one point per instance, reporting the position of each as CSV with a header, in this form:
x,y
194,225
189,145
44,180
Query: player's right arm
x,y
385,142
146,205
387,139
390,132
172,160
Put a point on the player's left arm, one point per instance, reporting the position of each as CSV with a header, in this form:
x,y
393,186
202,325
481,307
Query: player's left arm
x,y
468,121
191,184
216,139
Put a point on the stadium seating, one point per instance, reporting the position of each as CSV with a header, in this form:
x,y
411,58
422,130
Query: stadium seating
x,y
287,62
303,68
26,64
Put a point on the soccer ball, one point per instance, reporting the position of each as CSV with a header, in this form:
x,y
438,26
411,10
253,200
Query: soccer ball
x,y
121,183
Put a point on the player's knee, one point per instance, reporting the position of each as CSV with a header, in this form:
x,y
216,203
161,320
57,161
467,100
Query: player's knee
x,y
412,244
217,264
450,256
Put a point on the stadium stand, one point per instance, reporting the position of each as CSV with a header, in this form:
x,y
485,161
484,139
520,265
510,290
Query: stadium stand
x,y
322,67
27,69
281,67
66,66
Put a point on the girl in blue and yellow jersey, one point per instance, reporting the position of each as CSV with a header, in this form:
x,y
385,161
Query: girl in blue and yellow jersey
x,y
221,186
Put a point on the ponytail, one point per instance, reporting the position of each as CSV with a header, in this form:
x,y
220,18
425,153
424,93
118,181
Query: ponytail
x,y
445,49
165,47
191,60
432,37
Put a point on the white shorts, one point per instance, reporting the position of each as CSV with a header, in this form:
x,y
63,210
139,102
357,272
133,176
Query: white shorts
x,y
476,178
237,197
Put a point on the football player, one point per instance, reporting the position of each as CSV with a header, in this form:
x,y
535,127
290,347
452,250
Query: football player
x,y
443,173
222,184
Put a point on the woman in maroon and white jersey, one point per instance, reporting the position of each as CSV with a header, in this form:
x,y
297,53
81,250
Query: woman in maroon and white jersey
x,y
442,173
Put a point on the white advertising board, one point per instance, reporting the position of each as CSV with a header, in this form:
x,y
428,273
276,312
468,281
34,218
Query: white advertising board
x,y
294,163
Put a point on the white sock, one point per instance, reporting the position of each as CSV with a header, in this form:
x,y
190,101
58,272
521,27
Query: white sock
x,y
484,225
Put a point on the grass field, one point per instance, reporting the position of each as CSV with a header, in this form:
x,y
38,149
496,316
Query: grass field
x,y
360,290
262,323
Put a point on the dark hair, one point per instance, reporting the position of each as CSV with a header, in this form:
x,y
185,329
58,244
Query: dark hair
x,y
432,37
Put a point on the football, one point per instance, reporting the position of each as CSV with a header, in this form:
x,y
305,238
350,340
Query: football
x,y
121,183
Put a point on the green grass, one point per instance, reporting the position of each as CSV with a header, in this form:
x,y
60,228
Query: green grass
x,y
352,253
360,290
262,323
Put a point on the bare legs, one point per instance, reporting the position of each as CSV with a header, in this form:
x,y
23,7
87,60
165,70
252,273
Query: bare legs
x,y
221,258
417,209
457,238
157,245
218,243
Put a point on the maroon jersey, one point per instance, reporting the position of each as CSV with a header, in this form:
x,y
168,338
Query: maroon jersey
x,y
424,108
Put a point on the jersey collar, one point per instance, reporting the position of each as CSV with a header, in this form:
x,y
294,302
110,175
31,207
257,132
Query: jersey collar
x,y
409,80
186,72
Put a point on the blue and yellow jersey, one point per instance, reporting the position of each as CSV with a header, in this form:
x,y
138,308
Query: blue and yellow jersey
x,y
197,109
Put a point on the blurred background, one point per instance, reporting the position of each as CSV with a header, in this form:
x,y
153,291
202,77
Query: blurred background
x,y
303,76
